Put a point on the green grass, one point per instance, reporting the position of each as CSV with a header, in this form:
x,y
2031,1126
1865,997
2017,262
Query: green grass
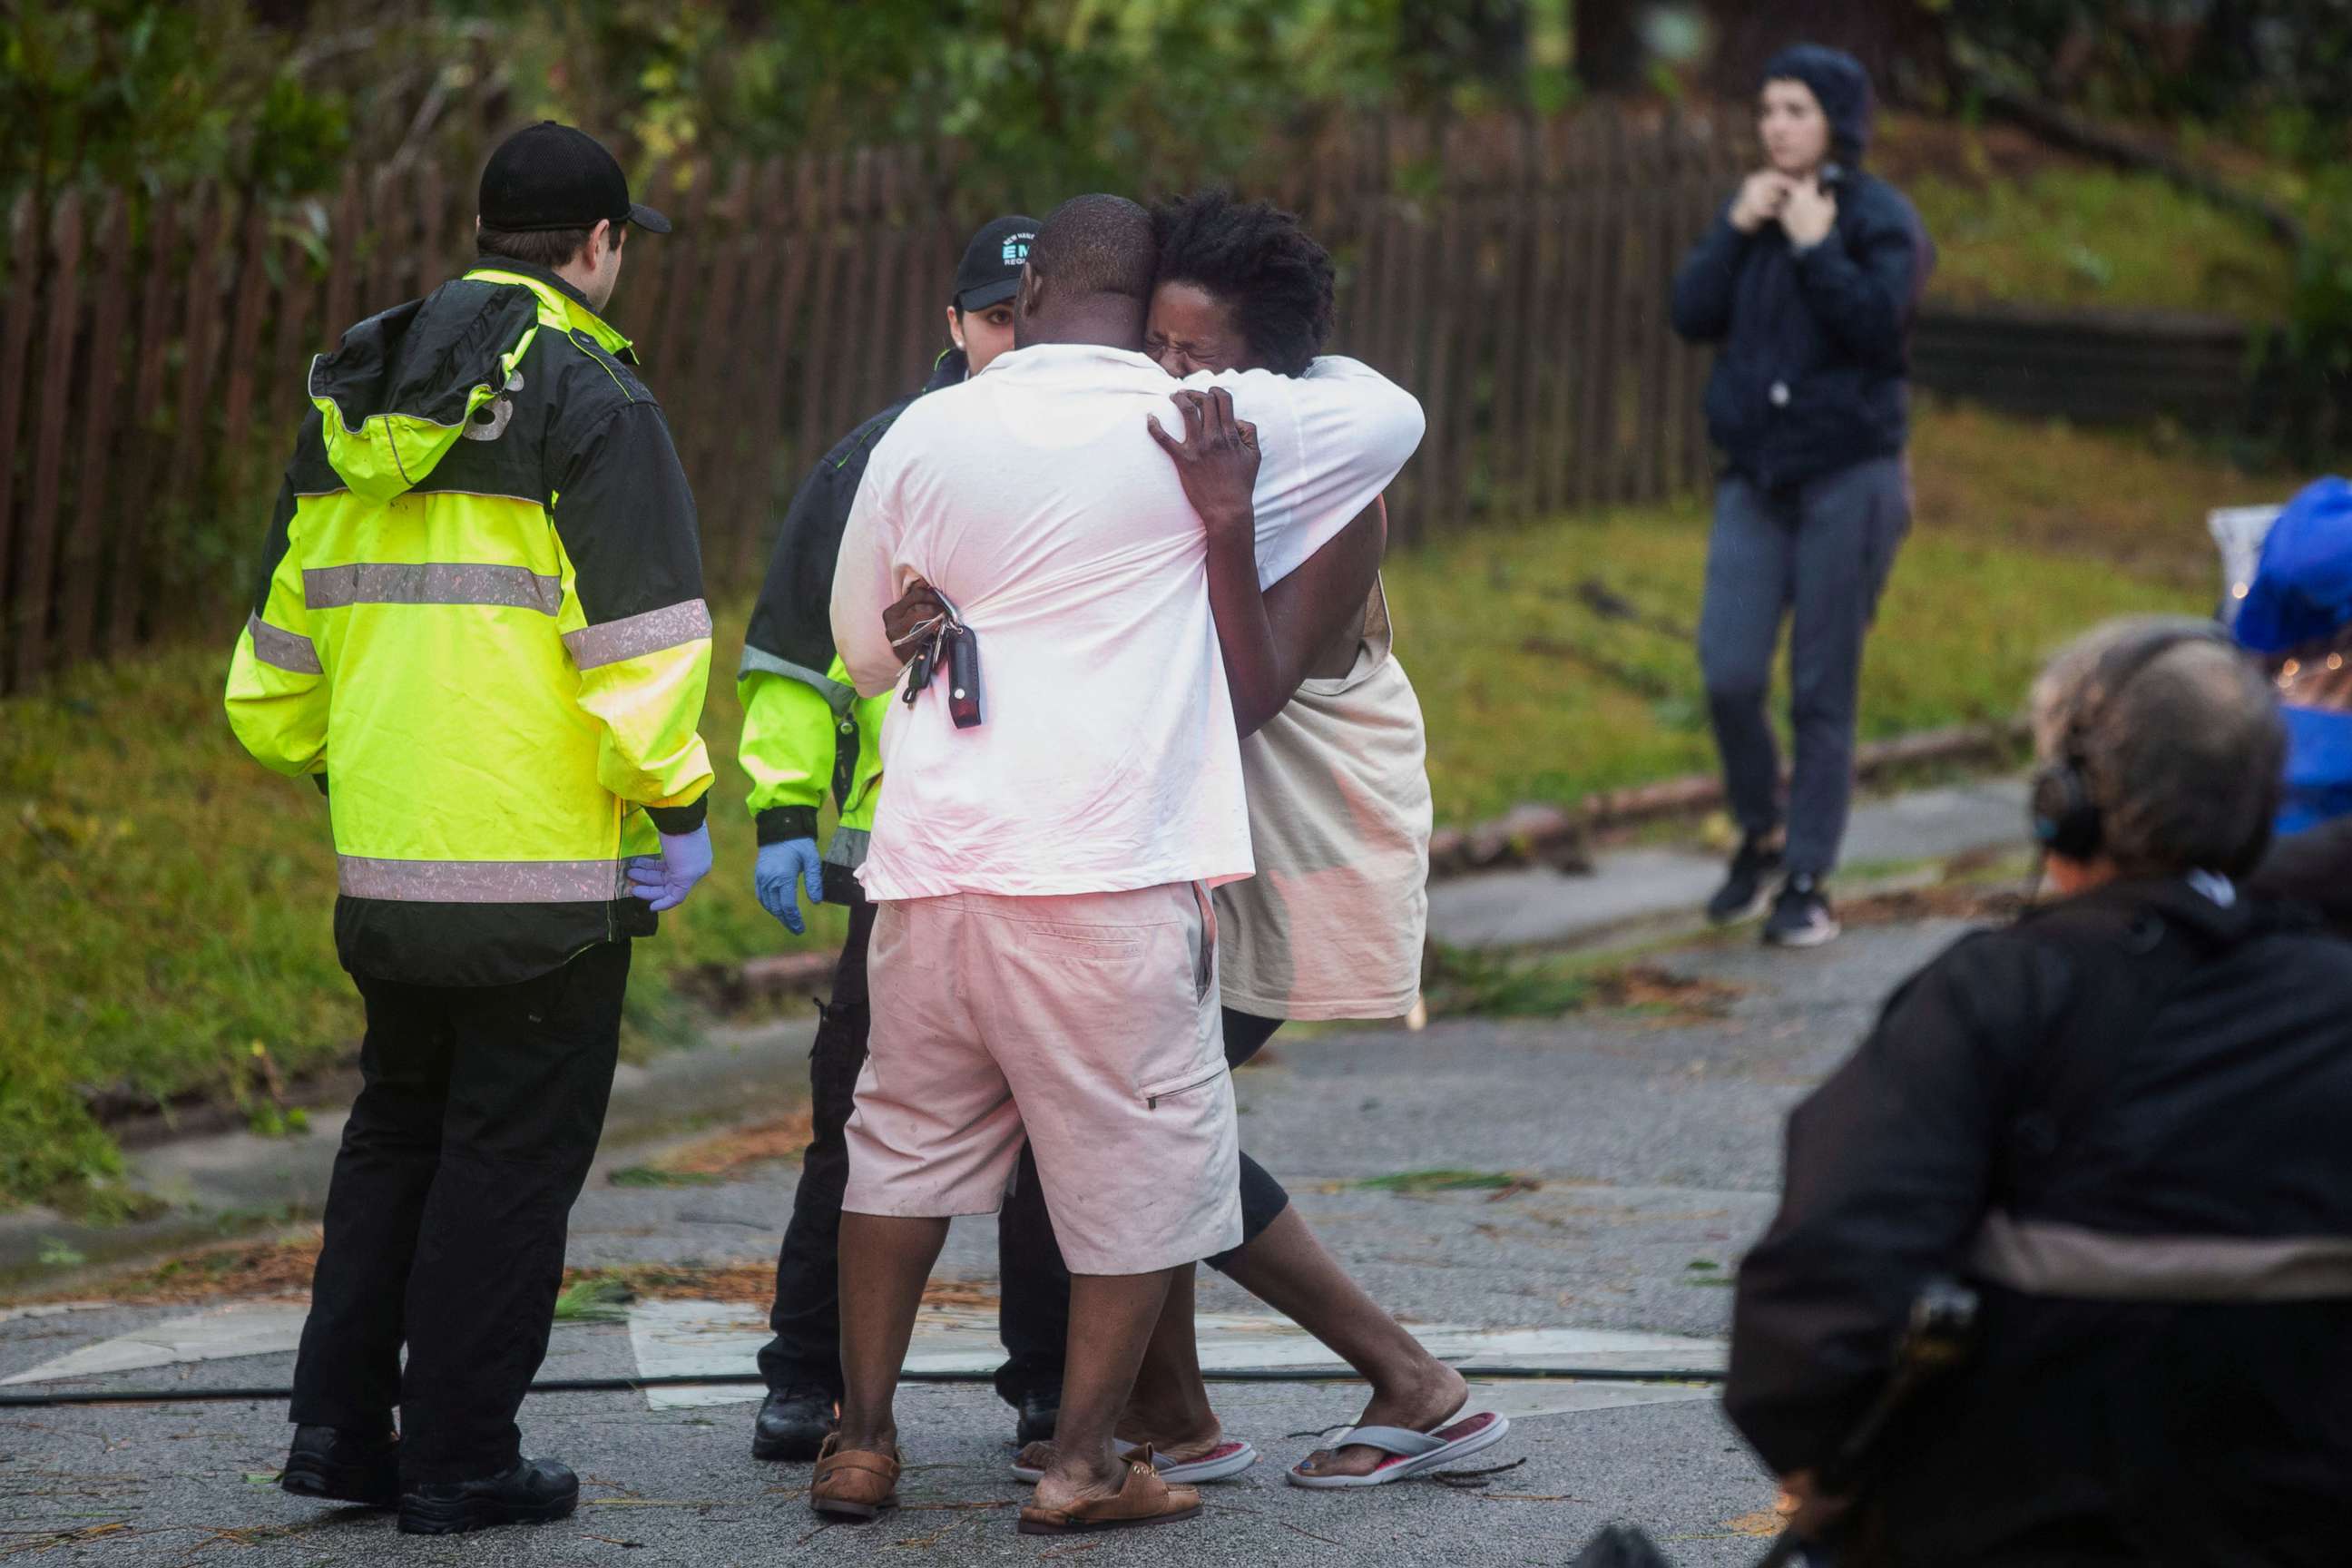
x,y
648,1176
1442,1180
167,930
596,1298
1458,982
2018,222
2025,534
169,927
2098,238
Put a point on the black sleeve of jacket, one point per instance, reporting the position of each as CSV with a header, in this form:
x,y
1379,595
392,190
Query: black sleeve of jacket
x,y
1864,283
793,617
626,514
1702,303
2313,868
1889,1164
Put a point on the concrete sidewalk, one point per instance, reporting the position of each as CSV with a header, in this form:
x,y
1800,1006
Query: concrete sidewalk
x,y
1643,890
221,1183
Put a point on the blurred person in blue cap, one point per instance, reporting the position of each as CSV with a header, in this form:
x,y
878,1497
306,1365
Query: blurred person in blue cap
x,y
1806,284
2297,616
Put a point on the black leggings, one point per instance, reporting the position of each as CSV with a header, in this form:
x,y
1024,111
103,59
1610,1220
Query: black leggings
x,y
1035,1315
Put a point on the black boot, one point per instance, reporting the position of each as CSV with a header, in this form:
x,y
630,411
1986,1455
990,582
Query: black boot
x,y
329,1463
1041,1412
793,1423
536,1491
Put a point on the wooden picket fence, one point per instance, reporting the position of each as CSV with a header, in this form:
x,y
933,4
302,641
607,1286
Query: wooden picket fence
x,y
152,346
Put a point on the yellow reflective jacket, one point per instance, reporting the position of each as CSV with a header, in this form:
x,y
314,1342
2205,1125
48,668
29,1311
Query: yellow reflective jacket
x,y
480,609
805,729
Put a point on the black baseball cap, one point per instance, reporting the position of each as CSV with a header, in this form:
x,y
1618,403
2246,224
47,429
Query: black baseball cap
x,y
549,176
989,272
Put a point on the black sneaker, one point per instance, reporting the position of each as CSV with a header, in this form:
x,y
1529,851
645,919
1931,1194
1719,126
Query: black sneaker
x,y
536,1491
1040,1413
1800,915
1742,893
336,1466
793,1423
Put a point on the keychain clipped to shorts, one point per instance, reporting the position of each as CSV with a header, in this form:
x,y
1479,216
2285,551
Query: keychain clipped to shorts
x,y
947,644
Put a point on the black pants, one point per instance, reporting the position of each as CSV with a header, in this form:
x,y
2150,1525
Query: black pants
x,y
806,1315
473,1131
1028,1253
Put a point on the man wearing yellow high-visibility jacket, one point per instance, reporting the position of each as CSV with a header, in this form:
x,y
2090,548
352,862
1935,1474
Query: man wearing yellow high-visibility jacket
x,y
480,628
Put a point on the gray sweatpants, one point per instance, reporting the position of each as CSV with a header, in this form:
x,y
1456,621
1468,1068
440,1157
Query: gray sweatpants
x,y
1819,552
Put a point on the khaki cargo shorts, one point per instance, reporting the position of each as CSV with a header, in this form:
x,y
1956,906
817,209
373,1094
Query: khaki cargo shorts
x,y
1087,1024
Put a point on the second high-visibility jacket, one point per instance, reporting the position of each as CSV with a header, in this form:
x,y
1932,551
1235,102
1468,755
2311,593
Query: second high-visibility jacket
x,y
480,615
805,729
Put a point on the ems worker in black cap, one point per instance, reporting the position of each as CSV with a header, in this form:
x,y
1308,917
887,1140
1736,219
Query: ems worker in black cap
x,y
807,732
478,627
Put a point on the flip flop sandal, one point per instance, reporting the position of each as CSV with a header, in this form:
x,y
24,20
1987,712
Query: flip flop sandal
x,y
1415,1453
1143,1499
1224,1462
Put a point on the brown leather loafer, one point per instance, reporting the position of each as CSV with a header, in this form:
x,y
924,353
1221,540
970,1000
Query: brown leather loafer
x,y
1142,1499
853,1484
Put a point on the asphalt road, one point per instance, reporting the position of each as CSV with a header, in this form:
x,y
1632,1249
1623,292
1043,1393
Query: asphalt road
x,y
1651,1149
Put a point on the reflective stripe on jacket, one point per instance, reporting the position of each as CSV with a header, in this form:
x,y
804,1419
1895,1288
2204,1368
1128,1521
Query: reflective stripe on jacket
x,y
480,611
806,729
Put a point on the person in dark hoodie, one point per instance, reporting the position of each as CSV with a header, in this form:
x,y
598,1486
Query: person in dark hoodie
x,y
807,731
1807,283
2121,1119
480,610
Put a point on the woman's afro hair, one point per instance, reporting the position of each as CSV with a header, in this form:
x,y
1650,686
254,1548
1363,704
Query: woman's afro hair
x,y
1261,263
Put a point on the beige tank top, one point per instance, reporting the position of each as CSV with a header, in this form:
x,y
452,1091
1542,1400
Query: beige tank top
x,y
1331,925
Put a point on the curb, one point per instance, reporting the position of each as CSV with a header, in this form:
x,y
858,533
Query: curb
x,y
1559,835
223,1184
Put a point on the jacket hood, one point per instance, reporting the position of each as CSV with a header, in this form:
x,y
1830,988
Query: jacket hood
x,y
2303,589
1841,84
401,389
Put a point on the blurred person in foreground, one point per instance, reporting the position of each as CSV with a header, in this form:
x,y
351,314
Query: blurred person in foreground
x,y
2297,616
1806,285
2121,1119
479,613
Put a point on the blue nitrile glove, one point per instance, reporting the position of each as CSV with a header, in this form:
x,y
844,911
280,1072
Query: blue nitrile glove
x,y
664,883
775,872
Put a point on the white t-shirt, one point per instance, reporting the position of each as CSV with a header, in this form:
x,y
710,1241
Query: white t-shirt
x,y
1033,496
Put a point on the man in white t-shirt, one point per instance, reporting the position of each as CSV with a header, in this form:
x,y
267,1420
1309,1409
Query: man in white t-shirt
x,y
1045,929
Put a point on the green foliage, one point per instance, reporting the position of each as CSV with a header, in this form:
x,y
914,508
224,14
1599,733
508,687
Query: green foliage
x,y
2305,383
2282,66
162,91
1051,97
1461,983
595,1299
2065,235
1043,97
